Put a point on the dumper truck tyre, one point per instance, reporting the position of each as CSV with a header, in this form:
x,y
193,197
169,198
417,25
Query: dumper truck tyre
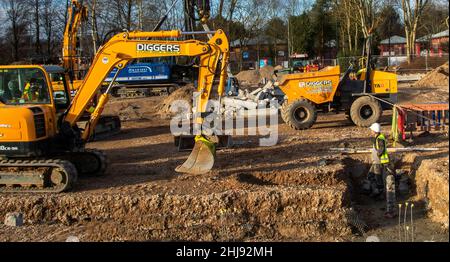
x,y
300,114
365,111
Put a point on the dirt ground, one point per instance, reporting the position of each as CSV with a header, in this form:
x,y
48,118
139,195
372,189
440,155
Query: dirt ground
x,y
297,190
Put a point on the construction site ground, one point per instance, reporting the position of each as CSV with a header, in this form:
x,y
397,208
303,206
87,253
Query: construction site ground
x,y
297,190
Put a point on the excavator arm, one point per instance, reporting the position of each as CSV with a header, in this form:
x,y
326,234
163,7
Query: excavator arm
x,y
124,47
77,13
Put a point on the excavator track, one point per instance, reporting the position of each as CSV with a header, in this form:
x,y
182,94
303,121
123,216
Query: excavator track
x,y
89,162
37,175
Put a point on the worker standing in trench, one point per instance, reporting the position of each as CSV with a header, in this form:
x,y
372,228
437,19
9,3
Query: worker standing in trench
x,y
380,178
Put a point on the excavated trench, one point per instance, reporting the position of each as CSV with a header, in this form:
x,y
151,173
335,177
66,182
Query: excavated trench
x,y
310,204
422,180
430,179
305,204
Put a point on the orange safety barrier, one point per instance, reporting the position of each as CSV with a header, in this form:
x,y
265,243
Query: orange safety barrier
x,y
426,117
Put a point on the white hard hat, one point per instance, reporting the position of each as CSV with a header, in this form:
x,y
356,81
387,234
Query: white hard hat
x,y
375,127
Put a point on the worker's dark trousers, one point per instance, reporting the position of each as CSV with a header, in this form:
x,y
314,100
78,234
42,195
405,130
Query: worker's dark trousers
x,y
382,180
376,178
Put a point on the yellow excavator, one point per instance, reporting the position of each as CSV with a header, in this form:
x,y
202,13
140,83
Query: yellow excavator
x,y
42,149
77,14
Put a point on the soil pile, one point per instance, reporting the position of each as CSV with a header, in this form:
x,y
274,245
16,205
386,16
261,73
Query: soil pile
x,y
185,93
432,88
436,78
266,72
254,77
248,77
278,67
432,188
132,109
130,112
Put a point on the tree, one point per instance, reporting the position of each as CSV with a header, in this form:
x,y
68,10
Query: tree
x,y
412,12
323,26
37,26
17,18
94,31
220,8
47,22
253,17
302,34
433,19
348,26
129,8
366,12
390,23
275,30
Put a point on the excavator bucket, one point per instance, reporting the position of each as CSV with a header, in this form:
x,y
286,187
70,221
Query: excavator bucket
x,y
201,159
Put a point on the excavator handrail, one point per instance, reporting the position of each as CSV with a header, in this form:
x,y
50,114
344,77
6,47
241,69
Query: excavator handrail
x,y
156,34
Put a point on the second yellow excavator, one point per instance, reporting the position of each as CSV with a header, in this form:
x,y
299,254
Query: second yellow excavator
x,y
42,149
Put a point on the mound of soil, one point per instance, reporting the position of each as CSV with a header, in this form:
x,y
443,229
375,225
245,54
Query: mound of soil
x,y
185,93
432,188
278,67
129,110
254,77
436,78
248,77
266,72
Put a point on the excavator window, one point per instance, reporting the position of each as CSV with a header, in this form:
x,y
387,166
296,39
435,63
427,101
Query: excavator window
x,y
23,86
60,90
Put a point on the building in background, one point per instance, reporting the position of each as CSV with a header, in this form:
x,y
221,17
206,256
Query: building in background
x,y
393,46
257,52
436,44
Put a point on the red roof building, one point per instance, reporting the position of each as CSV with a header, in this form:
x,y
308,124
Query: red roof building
x,y
396,45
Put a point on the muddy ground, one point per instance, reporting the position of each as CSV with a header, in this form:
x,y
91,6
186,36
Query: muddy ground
x,y
297,190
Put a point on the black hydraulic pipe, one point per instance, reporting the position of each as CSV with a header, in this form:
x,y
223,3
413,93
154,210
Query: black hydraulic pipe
x,y
163,19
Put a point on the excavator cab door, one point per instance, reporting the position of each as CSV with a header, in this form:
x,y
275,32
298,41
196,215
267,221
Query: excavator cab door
x,y
61,95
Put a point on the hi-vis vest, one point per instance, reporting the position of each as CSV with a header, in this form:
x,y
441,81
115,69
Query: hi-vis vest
x,y
384,158
29,94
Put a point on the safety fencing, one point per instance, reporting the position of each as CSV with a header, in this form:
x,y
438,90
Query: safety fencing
x,y
419,117
399,64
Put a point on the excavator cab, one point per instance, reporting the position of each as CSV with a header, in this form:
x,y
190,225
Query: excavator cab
x,y
27,111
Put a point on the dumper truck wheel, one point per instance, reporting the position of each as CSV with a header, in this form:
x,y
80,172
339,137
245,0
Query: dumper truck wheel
x,y
300,114
365,111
